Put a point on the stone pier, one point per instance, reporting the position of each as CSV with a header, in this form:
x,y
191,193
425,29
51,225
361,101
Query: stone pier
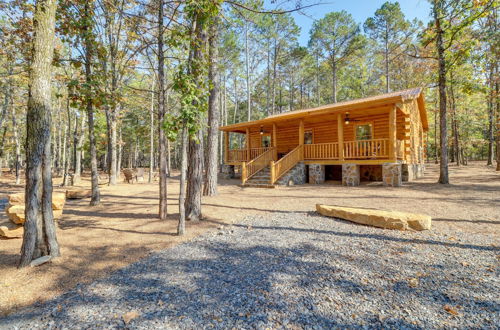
x,y
228,171
392,174
316,173
350,175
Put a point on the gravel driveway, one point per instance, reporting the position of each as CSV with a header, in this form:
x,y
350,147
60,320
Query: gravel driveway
x,y
293,270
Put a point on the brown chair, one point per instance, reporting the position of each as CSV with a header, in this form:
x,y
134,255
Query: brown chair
x,y
129,175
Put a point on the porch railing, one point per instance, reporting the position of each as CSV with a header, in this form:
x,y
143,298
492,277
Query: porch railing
x,y
256,152
255,165
366,149
279,168
237,155
321,151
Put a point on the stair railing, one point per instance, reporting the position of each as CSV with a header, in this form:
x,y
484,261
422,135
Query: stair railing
x,y
279,168
249,169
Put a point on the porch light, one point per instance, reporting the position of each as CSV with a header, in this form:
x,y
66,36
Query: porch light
x,y
347,120
261,131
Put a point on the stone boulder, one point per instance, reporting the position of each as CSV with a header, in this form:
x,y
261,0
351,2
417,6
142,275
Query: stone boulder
x,y
58,200
9,230
378,218
16,214
78,193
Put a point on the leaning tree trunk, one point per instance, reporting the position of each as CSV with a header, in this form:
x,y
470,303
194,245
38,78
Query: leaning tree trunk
x,y
162,172
39,237
96,198
210,187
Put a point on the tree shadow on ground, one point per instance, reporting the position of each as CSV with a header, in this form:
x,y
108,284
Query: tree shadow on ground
x,y
225,283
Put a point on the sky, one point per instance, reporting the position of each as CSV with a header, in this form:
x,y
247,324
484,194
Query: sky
x,y
359,9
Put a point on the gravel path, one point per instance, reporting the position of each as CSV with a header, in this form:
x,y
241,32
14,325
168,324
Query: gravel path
x,y
293,270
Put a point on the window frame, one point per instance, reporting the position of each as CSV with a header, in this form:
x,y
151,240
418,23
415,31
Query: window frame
x,y
364,123
312,135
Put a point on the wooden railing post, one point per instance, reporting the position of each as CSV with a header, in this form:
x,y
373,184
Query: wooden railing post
x,y
243,172
273,171
340,136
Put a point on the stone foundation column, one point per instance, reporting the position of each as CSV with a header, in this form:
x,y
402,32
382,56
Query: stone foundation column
x,y
228,171
407,174
392,174
350,175
316,174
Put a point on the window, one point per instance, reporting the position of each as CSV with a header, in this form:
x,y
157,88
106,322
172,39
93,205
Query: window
x,y
308,137
266,141
364,132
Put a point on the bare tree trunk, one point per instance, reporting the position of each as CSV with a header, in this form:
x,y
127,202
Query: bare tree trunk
x,y
491,118
334,80
247,65
89,53
181,228
194,178
17,161
151,132
120,153
443,166
39,229
162,172
66,146
78,143
210,187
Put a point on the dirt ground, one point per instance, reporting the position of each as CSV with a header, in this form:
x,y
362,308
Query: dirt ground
x,y
124,228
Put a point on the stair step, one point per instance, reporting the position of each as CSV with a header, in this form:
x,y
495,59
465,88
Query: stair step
x,y
253,185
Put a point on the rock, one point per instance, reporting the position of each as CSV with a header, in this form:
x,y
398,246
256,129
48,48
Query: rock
x,y
11,231
78,194
15,213
378,218
40,261
16,199
58,200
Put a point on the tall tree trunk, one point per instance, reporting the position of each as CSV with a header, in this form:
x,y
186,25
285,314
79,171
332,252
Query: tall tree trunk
x,y
443,166
334,80
247,66
387,87
120,153
491,117
17,160
195,168
39,237
453,106
89,53
77,147
210,187
151,132
162,172
66,146
181,228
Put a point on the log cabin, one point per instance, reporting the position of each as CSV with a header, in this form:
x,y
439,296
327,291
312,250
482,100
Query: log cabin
x,y
378,138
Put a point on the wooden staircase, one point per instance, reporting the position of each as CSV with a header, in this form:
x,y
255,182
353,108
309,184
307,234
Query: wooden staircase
x,y
261,179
